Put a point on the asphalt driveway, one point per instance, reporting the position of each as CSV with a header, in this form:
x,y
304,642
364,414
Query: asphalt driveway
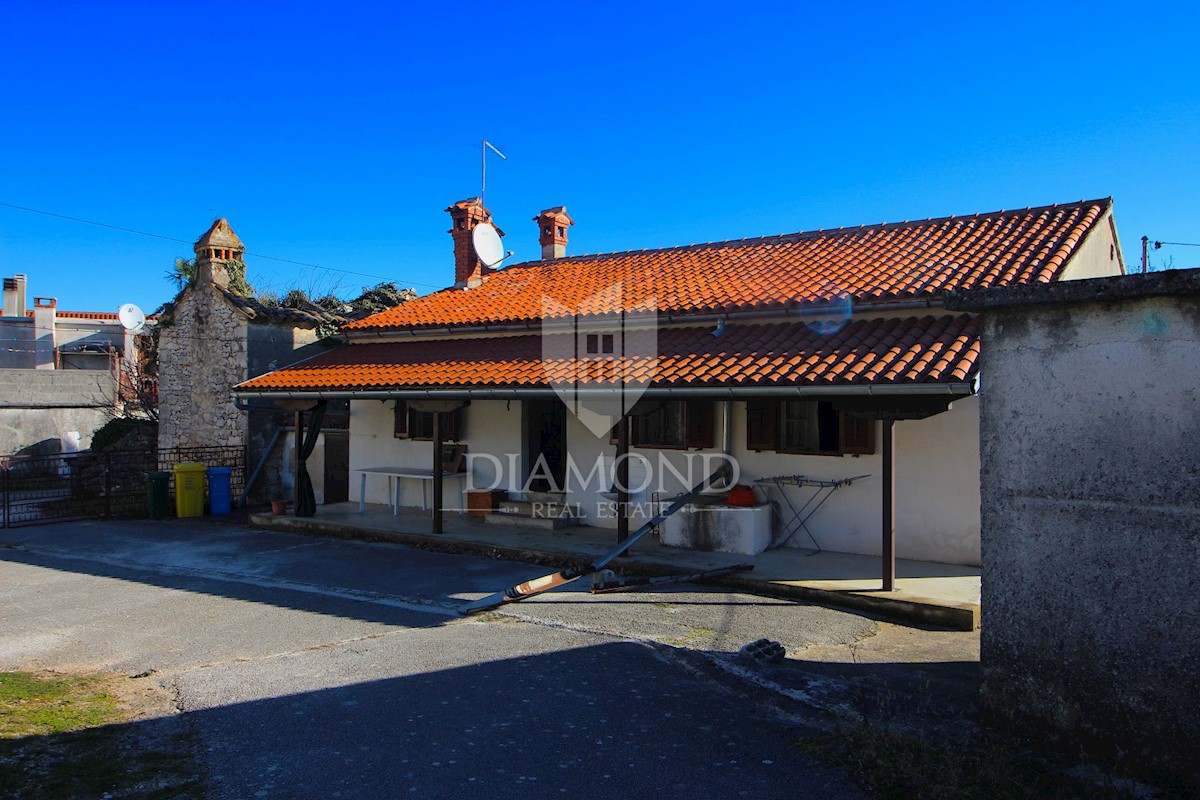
x,y
320,668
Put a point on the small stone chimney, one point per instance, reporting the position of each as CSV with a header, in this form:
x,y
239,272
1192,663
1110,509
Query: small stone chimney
x,y
552,232
465,215
14,296
214,250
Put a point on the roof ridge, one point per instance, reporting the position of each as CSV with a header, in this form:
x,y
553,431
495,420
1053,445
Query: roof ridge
x,y
812,234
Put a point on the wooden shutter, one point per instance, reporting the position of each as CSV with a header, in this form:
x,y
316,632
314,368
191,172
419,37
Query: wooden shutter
x,y
400,424
762,424
855,434
698,423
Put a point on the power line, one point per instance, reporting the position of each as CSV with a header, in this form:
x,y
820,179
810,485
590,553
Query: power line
x,y
1157,245
185,241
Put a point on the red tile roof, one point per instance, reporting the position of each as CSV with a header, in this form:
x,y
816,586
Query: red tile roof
x,y
890,351
871,263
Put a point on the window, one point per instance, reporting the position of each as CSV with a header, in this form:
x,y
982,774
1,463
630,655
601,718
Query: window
x,y
418,425
599,344
807,427
671,424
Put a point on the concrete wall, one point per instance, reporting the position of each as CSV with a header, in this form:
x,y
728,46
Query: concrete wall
x,y
937,469
1091,514
17,340
53,409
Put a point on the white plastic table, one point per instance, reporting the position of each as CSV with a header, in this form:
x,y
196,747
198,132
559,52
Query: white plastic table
x,y
395,475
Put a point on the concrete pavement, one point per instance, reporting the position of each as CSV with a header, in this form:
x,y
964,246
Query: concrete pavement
x,y
313,667
927,593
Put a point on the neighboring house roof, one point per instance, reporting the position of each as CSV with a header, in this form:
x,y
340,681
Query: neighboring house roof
x,y
940,349
872,263
95,315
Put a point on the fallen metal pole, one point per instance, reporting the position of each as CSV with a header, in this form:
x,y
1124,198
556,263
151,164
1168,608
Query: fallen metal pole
x,y
642,582
553,581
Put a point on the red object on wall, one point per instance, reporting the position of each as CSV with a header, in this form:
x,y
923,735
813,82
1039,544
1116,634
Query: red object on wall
x,y
741,495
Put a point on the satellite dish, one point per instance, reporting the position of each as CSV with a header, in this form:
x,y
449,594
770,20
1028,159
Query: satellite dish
x,y
487,244
131,318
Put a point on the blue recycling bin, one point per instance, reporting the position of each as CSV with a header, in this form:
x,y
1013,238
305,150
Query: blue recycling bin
x,y
218,490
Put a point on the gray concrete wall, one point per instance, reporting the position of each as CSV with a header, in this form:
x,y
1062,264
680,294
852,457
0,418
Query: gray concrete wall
x,y
1090,489
53,410
17,341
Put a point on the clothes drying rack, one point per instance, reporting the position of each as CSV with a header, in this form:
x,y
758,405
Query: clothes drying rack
x,y
822,491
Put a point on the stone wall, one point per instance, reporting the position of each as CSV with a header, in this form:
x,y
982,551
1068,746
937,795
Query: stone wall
x,y
53,410
1091,513
202,353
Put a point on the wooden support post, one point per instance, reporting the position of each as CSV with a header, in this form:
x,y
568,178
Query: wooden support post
x,y
889,507
438,418
299,461
622,478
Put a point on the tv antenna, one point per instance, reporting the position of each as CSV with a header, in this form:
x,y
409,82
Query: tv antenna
x,y
132,318
484,147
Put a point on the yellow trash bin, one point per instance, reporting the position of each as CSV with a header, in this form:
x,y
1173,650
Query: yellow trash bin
x,y
189,489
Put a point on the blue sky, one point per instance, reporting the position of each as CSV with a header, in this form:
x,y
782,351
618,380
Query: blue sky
x,y
337,134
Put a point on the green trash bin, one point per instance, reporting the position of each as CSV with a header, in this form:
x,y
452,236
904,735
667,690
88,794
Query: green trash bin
x,y
158,499
189,489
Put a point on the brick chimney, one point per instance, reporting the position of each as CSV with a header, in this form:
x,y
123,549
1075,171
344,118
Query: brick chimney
x,y
217,247
465,215
552,232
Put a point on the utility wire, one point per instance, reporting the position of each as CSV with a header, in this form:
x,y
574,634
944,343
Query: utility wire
x,y
185,241
1177,244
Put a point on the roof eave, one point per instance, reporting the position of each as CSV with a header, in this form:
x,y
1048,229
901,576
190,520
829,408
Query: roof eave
x,y
956,388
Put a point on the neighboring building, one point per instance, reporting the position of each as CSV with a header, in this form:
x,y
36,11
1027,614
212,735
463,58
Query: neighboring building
x,y
1091,514
213,338
801,351
61,372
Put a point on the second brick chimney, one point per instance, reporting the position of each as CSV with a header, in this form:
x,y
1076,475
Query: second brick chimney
x,y
552,232
465,215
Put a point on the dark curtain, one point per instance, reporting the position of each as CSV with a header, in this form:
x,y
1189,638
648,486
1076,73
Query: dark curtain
x,y
306,500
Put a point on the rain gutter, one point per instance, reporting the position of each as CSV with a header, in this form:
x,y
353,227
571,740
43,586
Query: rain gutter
x,y
958,388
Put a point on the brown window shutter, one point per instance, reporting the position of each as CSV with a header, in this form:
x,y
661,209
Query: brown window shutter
x,y
400,425
855,434
762,424
698,423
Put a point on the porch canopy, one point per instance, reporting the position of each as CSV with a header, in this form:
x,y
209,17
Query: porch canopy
x,y
883,368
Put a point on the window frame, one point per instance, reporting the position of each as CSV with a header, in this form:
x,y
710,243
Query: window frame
x,y
838,433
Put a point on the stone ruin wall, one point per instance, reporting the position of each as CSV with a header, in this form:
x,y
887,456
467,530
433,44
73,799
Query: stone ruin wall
x,y
202,354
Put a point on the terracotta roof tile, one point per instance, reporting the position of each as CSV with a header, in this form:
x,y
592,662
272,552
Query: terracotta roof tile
x,y
871,262
909,350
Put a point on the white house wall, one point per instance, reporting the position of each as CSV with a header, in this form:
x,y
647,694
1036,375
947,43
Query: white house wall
x,y
1098,256
937,474
491,426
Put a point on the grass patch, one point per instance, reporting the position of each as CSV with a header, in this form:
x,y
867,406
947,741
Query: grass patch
x,y
903,766
35,705
74,736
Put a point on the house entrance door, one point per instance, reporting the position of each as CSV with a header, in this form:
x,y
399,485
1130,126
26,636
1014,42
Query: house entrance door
x,y
337,466
545,444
